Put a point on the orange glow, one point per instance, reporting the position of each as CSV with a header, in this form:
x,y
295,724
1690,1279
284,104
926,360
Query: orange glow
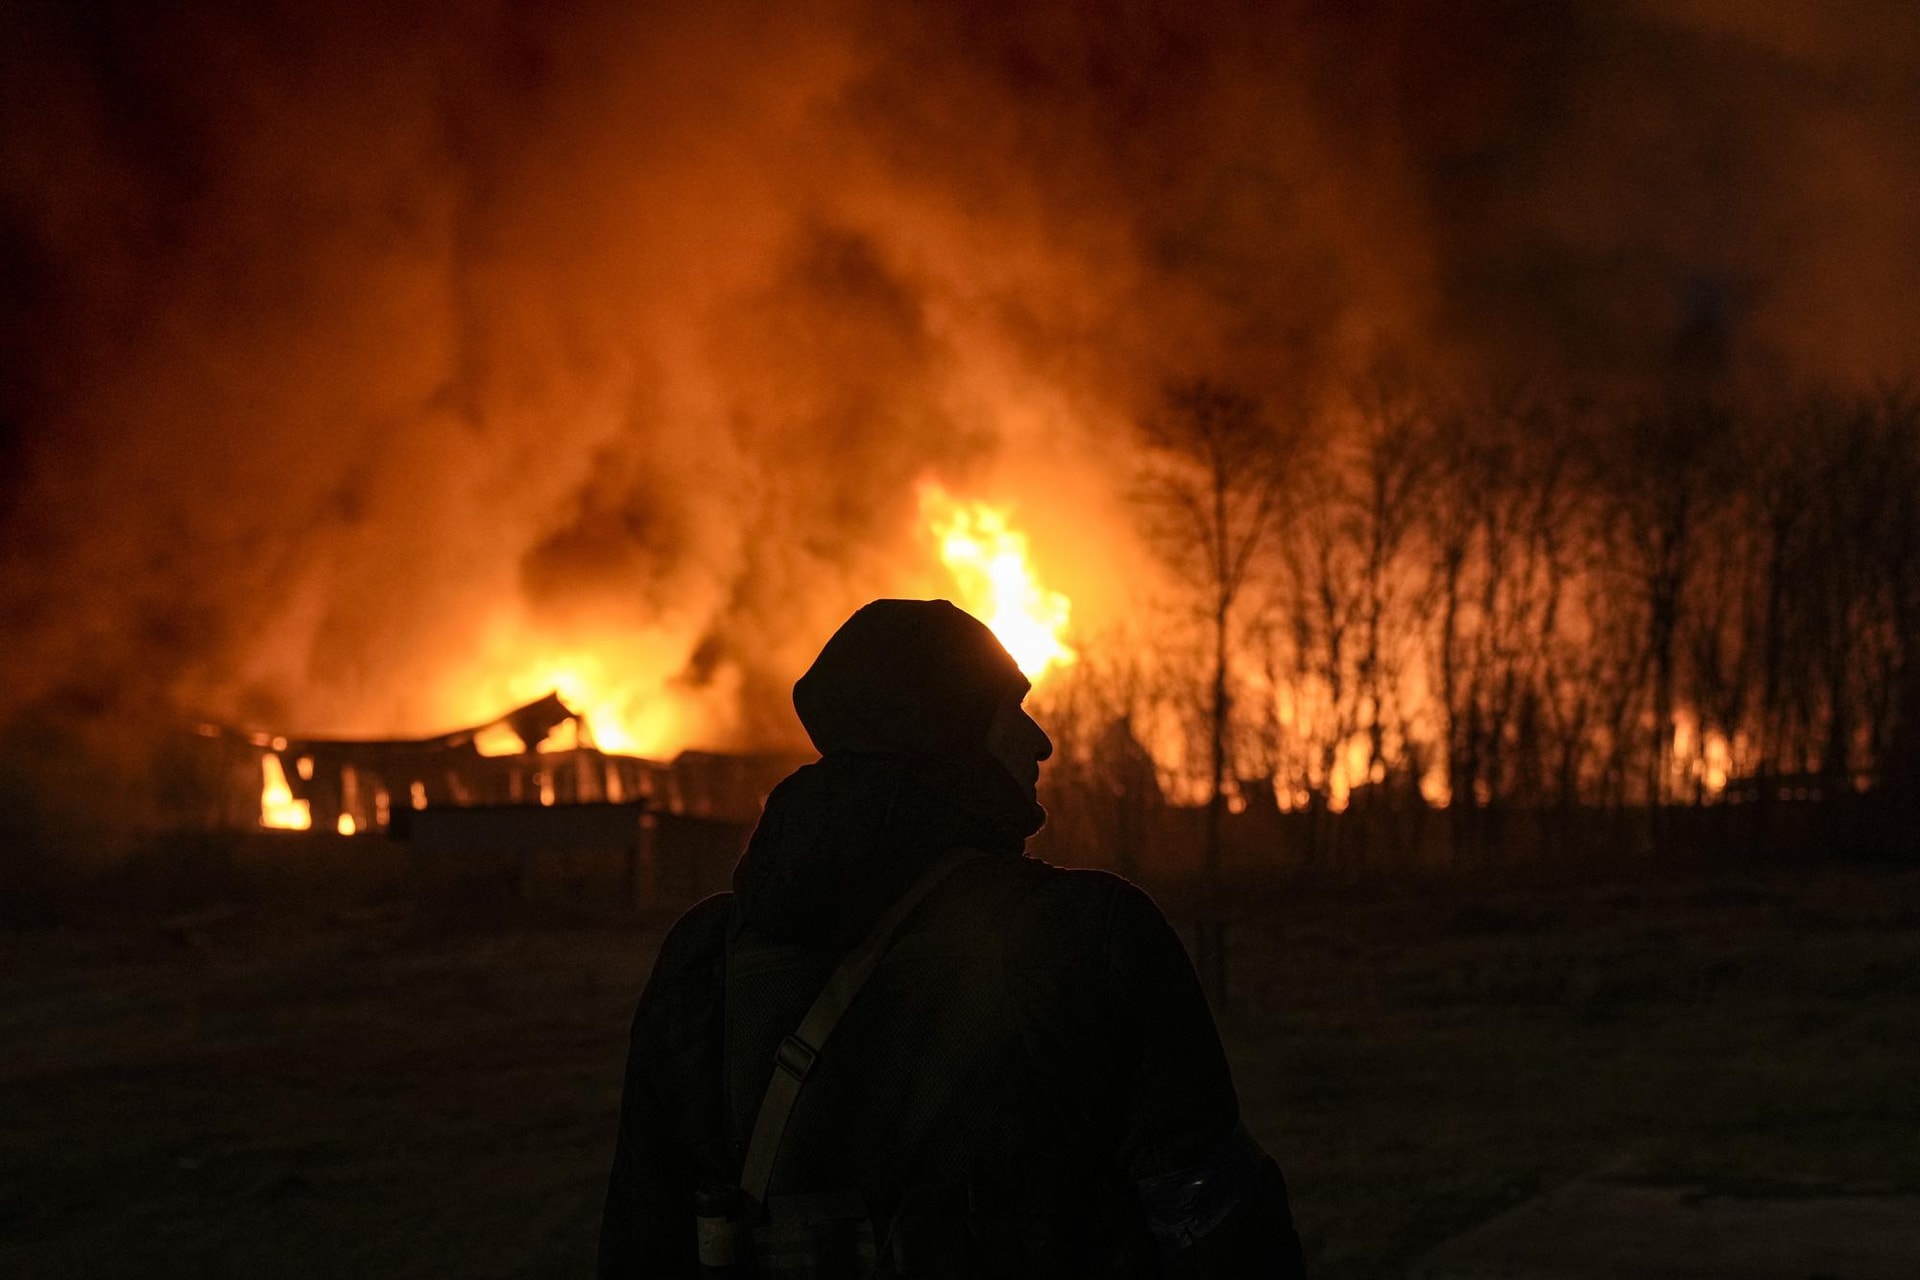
x,y
1350,770
346,826
567,737
278,808
1719,762
996,581
498,740
624,681
620,683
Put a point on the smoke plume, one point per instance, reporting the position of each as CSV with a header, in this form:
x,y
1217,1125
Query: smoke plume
x,y
354,356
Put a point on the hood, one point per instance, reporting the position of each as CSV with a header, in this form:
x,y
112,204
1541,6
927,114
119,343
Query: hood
x,y
898,702
907,677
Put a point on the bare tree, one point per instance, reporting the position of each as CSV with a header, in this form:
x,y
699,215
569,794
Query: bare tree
x,y
1321,563
1545,595
1213,492
1661,474
1394,467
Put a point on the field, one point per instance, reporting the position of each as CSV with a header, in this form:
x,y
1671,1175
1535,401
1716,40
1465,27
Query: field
x,y
235,1095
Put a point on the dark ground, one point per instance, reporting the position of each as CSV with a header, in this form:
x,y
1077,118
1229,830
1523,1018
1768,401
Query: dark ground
x,y
233,1095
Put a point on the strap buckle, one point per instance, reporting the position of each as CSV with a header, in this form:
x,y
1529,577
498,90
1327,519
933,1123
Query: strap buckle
x,y
795,1057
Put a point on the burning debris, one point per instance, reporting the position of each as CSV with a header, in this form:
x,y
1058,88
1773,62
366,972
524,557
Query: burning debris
x,y
541,754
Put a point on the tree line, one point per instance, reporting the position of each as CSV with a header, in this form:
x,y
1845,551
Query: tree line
x,y
1489,602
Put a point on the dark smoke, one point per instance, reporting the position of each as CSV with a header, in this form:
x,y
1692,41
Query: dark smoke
x,y
338,342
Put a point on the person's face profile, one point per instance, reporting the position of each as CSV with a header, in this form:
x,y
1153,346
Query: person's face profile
x,y
1018,742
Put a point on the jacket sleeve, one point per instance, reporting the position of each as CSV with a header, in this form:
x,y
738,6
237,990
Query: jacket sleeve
x,y
646,1227
1215,1201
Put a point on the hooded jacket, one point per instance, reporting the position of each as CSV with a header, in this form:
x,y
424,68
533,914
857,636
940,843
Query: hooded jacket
x,y
1030,1084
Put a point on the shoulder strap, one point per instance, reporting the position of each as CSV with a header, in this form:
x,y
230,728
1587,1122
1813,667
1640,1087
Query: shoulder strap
x,y
796,1055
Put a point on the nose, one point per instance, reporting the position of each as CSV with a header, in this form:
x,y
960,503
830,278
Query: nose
x,y
1045,747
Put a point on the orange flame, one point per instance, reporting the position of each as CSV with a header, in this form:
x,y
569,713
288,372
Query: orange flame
x,y
996,581
613,680
278,808
621,682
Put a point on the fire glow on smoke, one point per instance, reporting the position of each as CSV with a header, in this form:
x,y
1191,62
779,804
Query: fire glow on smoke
x,y
986,558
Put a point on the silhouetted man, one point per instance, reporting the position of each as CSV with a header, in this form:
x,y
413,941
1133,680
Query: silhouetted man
x,y
900,1047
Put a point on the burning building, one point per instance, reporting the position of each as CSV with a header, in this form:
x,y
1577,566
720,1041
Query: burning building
x,y
525,806
540,754
444,359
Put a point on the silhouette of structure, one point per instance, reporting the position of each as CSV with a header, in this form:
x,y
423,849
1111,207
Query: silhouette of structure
x,y
540,754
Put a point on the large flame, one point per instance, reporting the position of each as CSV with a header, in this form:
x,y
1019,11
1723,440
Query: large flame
x,y
622,681
996,581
